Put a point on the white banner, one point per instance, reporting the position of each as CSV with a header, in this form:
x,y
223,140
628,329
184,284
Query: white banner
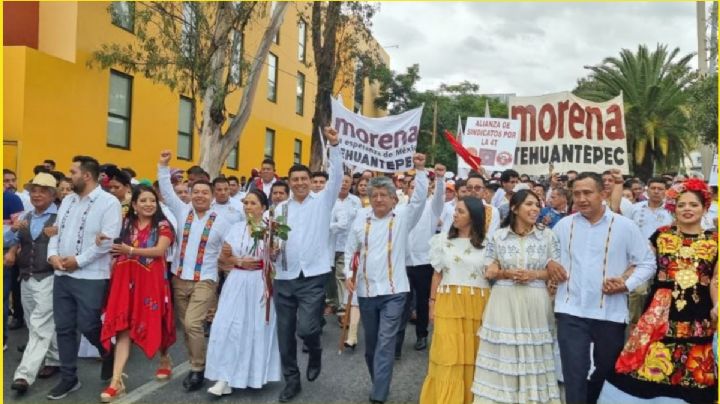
x,y
714,172
379,144
570,132
493,140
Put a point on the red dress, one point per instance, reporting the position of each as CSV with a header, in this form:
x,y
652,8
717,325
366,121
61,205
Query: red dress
x,y
139,296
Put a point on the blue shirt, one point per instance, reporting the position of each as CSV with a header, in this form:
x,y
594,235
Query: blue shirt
x,y
583,257
38,221
553,214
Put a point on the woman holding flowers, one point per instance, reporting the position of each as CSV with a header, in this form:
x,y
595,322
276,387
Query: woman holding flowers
x,y
243,348
668,356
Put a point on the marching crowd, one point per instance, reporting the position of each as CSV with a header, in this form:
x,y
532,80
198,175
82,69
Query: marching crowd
x,y
598,282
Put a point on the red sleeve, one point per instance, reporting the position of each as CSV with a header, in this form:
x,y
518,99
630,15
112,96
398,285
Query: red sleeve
x,y
166,230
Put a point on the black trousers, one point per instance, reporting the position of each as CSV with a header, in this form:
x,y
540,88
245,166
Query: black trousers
x,y
574,337
299,305
420,278
17,309
77,305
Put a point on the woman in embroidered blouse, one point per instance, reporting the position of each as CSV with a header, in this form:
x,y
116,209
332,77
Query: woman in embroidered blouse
x,y
458,296
668,357
515,360
243,348
138,305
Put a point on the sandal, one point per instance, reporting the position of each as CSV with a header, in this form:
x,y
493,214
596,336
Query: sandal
x,y
111,393
164,372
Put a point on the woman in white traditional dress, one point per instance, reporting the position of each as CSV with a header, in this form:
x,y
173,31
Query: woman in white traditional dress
x,y
515,359
243,348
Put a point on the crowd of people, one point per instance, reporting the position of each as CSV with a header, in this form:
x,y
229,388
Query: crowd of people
x,y
597,282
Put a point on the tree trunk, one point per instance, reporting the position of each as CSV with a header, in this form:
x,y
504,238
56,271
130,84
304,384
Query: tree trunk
x,y
645,170
214,145
324,49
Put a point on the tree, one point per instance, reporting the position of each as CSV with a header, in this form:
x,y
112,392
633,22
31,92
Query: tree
x,y
340,34
654,87
192,47
704,109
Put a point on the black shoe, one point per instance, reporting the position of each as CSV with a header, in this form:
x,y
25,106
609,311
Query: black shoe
x,y
21,348
314,365
108,362
289,392
195,380
376,401
63,389
186,380
20,385
421,344
351,346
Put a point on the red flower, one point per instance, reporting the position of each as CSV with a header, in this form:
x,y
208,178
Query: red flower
x,y
676,377
701,363
677,353
687,242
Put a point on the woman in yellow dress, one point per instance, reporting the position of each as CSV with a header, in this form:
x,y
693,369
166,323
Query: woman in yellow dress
x,y
458,295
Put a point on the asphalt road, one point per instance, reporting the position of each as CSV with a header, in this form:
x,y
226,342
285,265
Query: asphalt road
x,y
344,378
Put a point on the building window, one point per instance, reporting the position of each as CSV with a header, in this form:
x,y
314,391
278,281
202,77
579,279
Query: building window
x,y
232,159
272,77
297,152
300,94
269,143
185,129
122,14
237,59
119,108
302,36
276,38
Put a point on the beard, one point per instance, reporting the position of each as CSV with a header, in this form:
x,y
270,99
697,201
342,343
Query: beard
x,y
78,187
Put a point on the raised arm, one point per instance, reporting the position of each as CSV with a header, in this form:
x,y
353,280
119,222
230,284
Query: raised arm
x,y
438,201
170,198
419,197
332,188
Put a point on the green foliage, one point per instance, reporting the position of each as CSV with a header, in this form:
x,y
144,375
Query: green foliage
x,y
398,94
704,108
654,87
176,43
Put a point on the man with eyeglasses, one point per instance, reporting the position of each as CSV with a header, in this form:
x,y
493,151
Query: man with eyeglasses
x,y
476,188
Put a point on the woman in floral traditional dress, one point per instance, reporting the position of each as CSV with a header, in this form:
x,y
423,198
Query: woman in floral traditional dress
x,y
668,357
139,308
458,296
243,348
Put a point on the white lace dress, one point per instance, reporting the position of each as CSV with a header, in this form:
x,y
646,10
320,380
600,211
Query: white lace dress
x,y
243,347
515,362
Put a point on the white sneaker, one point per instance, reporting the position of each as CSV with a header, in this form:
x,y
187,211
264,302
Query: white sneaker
x,y
220,389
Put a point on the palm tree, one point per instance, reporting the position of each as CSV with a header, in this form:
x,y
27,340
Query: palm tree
x,y
657,109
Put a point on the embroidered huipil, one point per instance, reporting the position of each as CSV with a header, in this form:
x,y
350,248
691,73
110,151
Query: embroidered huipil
x,y
382,244
419,238
190,256
591,253
79,220
308,246
460,263
531,252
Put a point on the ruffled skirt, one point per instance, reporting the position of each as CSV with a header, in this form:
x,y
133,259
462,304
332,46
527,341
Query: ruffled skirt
x,y
515,359
458,315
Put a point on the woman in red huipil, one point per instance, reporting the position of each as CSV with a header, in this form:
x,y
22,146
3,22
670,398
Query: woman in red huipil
x,y
138,307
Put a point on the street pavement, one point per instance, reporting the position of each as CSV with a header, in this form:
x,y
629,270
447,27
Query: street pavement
x,y
344,378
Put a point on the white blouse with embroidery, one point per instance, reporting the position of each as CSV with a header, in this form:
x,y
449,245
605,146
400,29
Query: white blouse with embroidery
x,y
460,263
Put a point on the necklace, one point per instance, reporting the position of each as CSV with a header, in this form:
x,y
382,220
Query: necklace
x,y
687,261
366,248
605,258
83,220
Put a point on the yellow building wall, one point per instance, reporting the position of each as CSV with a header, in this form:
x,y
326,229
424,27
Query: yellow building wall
x,y
59,107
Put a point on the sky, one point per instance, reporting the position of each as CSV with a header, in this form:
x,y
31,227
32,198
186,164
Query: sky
x,y
524,48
